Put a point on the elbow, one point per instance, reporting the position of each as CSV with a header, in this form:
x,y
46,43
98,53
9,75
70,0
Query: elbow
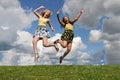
x,y
76,19
34,11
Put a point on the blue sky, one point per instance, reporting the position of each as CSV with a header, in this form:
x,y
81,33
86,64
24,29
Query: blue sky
x,y
55,5
95,32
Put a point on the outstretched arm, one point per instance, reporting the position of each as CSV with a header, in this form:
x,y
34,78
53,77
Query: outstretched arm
x,y
77,16
36,11
60,21
49,23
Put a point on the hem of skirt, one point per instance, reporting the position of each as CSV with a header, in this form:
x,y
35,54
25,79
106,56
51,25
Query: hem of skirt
x,y
40,37
67,40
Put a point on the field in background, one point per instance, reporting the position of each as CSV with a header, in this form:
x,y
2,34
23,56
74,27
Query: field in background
x,y
60,72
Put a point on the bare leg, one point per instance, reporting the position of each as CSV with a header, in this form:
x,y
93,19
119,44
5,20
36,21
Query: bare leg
x,y
62,43
35,40
48,44
69,46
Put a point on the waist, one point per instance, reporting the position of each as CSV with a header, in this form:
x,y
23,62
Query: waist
x,y
69,28
42,24
41,27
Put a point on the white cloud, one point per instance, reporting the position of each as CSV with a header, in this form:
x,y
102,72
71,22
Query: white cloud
x,y
12,18
24,38
19,48
8,58
50,56
112,45
23,54
95,36
16,45
93,10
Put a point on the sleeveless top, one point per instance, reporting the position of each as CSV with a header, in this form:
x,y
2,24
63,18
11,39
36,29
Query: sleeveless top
x,y
42,21
68,26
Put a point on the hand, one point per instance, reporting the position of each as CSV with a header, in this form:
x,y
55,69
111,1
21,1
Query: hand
x,y
41,7
52,29
81,10
58,12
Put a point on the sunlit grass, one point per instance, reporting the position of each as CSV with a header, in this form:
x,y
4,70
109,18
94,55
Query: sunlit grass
x,y
60,72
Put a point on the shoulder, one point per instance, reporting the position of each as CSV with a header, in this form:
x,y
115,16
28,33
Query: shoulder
x,y
47,19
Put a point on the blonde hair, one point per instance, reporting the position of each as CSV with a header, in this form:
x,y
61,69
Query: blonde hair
x,y
44,11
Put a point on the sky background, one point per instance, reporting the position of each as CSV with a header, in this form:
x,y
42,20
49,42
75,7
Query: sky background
x,y
96,40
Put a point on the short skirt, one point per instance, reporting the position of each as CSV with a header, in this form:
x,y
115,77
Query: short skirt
x,y
68,36
41,32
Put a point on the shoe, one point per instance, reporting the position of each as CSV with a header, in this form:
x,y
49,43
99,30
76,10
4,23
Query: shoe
x,y
36,57
55,42
61,58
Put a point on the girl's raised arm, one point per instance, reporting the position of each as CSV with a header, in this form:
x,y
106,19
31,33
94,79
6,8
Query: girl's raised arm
x,y
49,23
60,21
36,11
77,16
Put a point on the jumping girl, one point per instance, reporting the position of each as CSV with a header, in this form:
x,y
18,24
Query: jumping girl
x,y
67,36
41,32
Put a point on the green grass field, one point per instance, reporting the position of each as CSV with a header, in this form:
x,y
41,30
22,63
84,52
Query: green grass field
x,y
60,72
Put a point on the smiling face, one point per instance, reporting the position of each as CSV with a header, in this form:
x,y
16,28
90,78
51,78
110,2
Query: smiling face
x,y
65,19
46,14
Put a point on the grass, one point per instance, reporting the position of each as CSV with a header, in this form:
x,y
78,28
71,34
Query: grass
x,y
60,72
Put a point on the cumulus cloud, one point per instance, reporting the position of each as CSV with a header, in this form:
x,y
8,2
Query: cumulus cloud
x,y
12,18
95,36
93,11
22,53
16,44
112,45
50,56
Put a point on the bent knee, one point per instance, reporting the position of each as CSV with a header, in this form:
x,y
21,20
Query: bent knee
x,y
45,45
68,49
64,46
34,41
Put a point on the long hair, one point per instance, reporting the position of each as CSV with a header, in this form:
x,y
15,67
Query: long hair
x,y
44,11
64,21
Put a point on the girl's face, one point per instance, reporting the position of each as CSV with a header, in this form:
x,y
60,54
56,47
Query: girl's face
x,y
46,14
65,19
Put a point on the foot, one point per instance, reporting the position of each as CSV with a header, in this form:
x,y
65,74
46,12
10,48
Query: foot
x,y
56,47
55,42
61,58
36,57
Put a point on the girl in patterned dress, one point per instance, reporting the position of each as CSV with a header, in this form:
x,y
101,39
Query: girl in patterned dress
x,y
41,31
68,34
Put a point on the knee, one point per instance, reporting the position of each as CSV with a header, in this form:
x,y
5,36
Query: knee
x,y
34,41
68,49
64,46
45,44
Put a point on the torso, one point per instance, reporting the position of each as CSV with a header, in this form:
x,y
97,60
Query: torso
x,y
42,21
68,26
